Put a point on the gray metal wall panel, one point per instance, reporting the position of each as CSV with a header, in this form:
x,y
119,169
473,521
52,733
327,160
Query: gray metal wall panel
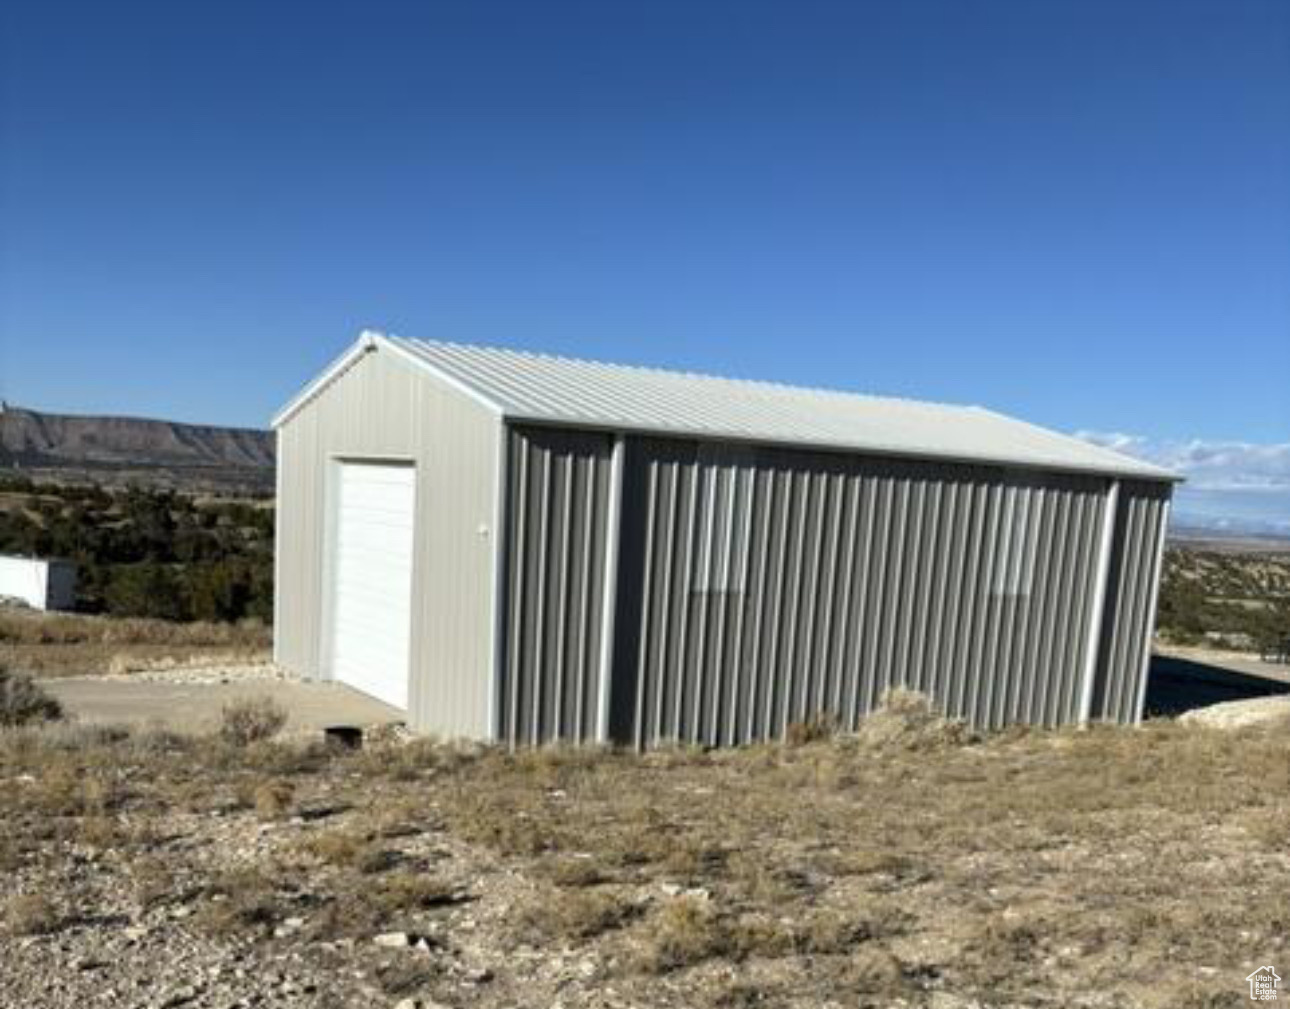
x,y
381,407
1128,624
762,587
557,508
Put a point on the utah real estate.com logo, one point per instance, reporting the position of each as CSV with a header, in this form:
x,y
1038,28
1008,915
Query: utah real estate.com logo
x,y
1263,984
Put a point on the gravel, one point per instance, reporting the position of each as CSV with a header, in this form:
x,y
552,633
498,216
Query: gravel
x,y
201,674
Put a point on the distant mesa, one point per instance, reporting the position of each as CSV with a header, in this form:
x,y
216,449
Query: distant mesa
x,y
130,449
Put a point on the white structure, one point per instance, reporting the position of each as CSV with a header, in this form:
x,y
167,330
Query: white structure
x,y
41,584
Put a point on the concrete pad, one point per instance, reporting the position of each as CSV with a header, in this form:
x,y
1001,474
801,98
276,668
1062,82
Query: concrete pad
x,y
196,707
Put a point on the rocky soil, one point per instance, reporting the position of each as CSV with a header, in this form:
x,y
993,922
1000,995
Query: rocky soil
x,y
913,864
141,932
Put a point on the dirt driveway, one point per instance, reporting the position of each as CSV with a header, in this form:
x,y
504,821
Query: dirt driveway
x,y
196,707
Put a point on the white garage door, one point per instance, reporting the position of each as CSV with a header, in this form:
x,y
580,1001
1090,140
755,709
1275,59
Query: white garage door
x,y
372,600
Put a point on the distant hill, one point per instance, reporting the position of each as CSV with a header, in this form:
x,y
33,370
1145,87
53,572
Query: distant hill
x,y
1229,535
131,449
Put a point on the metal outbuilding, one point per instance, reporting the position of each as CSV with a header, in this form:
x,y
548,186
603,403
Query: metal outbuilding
x,y
524,548
42,584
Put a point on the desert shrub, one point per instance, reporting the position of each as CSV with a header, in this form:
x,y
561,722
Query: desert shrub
x,y
574,872
832,932
240,900
57,791
350,849
572,915
494,821
401,976
685,931
251,720
907,720
816,729
31,914
22,702
362,905
153,881
100,832
412,891
272,799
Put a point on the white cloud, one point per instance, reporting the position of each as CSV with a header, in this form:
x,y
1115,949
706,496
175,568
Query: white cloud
x,y
1227,481
1208,465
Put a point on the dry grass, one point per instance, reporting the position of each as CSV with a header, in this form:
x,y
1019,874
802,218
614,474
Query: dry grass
x,y
251,720
348,848
73,644
239,901
273,799
1104,867
684,931
571,916
31,914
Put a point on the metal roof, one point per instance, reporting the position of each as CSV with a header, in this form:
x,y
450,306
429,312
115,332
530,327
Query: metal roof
x,y
542,388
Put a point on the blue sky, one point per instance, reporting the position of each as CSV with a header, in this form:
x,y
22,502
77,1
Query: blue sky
x,y
1076,212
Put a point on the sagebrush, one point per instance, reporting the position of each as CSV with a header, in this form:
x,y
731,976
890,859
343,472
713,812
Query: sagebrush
x,y
23,702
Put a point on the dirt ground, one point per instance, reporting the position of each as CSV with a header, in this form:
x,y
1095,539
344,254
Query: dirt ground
x,y
909,865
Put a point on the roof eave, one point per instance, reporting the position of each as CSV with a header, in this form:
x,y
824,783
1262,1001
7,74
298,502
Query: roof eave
x,y
1129,472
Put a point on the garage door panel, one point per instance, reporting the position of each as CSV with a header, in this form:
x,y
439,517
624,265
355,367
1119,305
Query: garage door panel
x,y
365,558
384,508
372,591
371,544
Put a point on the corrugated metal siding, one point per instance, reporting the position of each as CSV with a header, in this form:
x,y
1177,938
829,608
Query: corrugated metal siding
x,y
381,407
1130,602
558,503
763,587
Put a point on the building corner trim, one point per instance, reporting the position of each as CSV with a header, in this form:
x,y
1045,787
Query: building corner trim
x,y
1157,570
277,547
609,596
1097,612
499,545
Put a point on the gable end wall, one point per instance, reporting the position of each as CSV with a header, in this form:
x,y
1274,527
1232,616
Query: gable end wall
x,y
382,407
